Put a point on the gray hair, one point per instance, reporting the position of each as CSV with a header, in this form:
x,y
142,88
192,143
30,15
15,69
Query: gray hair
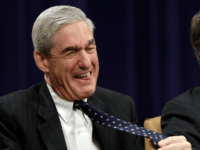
x,y
50,21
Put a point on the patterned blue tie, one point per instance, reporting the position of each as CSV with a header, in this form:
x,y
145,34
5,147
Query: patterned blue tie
x,y
110,121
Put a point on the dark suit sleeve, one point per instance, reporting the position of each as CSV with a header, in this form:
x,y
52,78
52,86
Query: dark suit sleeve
x,y
179,118
138,139
8,130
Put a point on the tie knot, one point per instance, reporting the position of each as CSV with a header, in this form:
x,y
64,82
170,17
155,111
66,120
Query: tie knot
x,y
79,104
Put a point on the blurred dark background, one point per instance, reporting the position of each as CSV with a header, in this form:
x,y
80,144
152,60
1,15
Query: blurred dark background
x,y
143,46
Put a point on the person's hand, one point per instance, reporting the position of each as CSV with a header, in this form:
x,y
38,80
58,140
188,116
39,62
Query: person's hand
x,y
174,143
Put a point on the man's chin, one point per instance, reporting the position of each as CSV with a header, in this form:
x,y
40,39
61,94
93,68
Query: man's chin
x,y
85,94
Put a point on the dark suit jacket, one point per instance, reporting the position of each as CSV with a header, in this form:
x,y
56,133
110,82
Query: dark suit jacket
x,y
181,116
29,120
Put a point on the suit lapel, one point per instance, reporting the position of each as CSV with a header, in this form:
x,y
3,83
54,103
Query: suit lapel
x,y
96,103
50,130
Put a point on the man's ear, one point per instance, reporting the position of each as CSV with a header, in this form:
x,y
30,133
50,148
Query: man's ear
x,y
41,61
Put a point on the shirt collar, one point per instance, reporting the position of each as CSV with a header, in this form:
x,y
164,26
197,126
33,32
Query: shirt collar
x,y
64,107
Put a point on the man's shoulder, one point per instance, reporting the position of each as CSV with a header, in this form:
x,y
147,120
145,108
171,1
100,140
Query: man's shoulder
x,y
101,90
190,95
24,94
106,94
117,104
189,100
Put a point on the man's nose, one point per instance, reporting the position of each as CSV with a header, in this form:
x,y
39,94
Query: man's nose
x,y
84,59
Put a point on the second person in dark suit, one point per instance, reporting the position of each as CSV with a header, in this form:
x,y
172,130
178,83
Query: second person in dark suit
x,y
180,116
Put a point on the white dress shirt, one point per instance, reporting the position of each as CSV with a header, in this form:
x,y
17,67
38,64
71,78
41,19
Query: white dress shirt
x,y
76,126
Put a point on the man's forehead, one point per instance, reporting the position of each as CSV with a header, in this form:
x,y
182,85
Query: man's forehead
x,y
74,33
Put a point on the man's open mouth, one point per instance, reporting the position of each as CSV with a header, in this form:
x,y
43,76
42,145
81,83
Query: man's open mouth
x,y
82,75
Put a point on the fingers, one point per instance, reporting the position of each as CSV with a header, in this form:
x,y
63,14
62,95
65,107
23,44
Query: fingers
x,y
175,143
176,146
172,139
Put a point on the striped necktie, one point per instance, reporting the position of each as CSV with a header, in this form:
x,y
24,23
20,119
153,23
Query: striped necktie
x,y
113,122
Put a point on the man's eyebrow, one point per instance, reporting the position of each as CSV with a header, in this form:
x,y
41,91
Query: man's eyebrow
x,y
91,41
76,47
70,48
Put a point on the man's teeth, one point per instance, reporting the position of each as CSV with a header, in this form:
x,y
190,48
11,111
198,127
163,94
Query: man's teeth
x,y
84,75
